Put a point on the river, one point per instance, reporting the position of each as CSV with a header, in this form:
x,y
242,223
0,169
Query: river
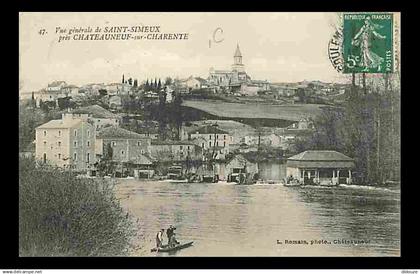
x,y
265,220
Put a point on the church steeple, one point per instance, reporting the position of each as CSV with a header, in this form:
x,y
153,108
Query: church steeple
x,y
237,60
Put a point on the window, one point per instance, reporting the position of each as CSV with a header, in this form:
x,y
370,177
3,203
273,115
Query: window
x,y
45,158
59,144
217,136
188,147
224,144
88,133
209,144
114,144
88,157
122,152
138,144
217,143
45,133
210,136
180,147
88,143
75,143
202,145
59,156
75,132
224,137
45,143
75,156
59,133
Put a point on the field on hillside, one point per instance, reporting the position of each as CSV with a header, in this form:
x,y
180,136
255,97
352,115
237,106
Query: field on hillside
x,y
292,112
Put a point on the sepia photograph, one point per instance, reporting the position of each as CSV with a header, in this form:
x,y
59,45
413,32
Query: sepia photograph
x,y
205,134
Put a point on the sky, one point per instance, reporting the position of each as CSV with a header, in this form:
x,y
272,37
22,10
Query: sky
x,y
278,47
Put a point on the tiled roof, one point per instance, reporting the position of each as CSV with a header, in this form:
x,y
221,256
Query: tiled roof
x,y
209,130
96,112
320,155
117,132
60,124
320,159
201,80
170,142
56,83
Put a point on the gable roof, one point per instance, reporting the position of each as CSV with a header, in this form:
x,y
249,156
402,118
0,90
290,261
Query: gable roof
x,y
60,124
320,155
56,83
320,159
96,111
171,142
118,133
209,129
201,80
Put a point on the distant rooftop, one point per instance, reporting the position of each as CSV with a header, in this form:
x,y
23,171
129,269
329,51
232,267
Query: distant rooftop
x,y
209,129
68,123
96,112
171,142
320,159
56,83
320,155
119,133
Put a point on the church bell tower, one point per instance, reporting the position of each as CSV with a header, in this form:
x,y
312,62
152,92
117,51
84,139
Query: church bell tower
x,y
237,61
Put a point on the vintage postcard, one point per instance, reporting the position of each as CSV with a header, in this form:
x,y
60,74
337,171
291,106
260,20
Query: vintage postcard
x,y
203,134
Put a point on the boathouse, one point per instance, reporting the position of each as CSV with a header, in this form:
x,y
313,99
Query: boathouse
x,y
320,167
229,169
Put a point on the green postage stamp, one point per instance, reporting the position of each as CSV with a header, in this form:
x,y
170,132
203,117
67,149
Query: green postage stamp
x,y
367,43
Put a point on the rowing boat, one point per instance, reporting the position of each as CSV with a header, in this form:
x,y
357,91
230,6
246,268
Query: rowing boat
x,y
166,248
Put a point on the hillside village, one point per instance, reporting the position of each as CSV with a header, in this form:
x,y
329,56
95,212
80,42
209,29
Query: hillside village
x,y
150,130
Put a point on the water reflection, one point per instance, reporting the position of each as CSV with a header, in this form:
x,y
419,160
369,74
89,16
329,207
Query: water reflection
x,y
235,220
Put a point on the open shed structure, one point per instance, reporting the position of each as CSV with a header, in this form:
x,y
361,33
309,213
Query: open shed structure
x,y
320,167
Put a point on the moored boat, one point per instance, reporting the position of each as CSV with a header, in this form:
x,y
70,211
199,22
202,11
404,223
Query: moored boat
x,y
166,248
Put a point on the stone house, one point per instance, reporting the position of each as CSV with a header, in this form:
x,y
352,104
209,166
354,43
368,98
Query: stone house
x,y
67,143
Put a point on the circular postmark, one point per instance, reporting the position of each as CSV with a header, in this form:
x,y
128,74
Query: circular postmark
x,y
335,53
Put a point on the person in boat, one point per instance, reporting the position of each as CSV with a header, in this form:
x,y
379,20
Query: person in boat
x,y
159,238
170,232
173,242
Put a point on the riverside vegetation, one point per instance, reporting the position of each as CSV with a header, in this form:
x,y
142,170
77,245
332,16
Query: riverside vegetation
x,y
61,215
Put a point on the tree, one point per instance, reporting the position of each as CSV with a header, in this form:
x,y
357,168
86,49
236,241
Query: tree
x,y
301,94
64,103
103,92
147,85
168,81
159,85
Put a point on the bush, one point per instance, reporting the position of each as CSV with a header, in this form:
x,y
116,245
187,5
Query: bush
x,y
61,215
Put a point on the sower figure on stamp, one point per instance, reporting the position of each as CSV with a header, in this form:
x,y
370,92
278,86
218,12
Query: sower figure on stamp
x,y
369,59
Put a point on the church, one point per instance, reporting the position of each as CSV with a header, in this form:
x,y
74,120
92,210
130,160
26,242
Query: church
x,y
235,80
